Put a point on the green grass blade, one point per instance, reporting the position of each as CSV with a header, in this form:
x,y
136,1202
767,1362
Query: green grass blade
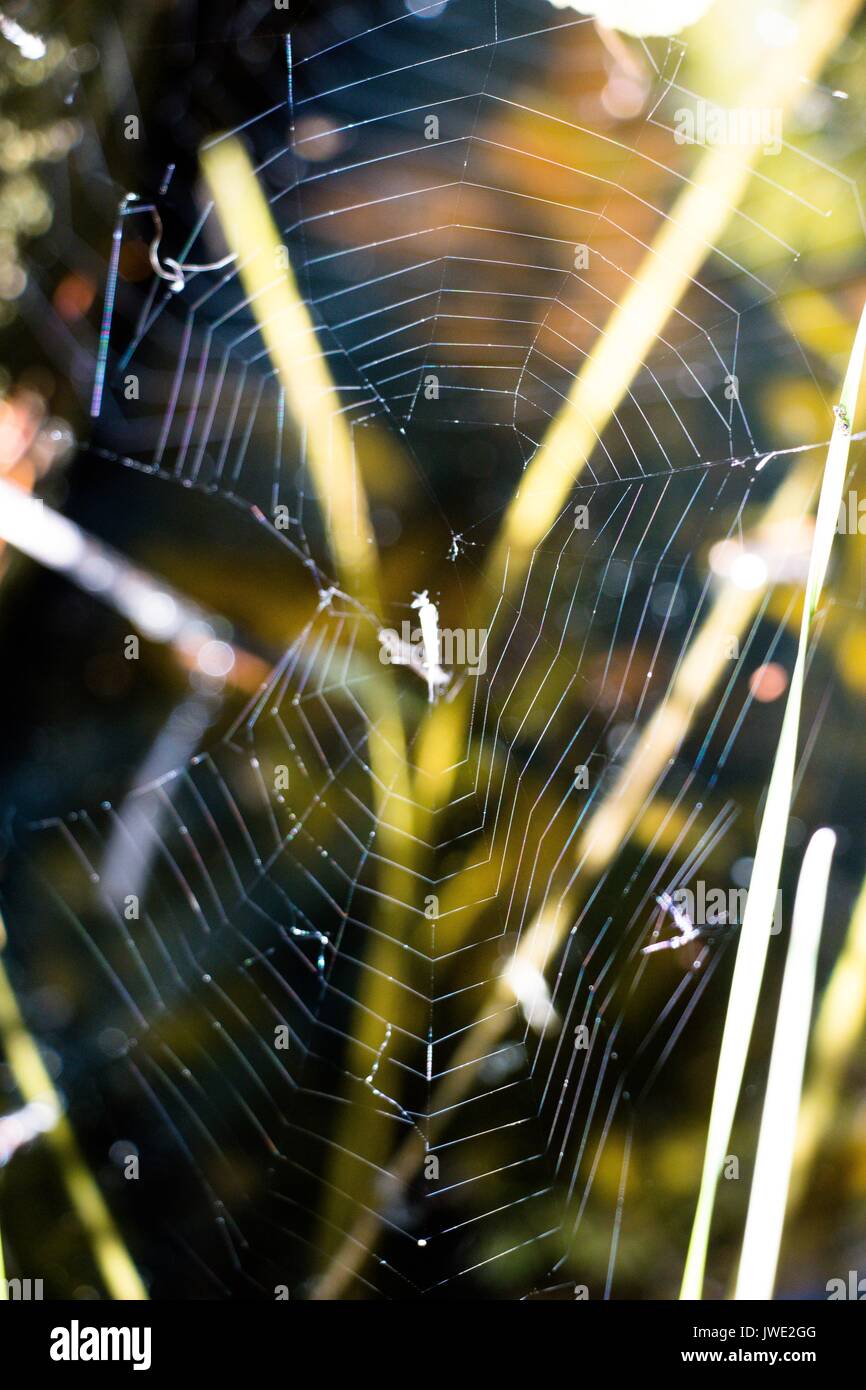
x,y
757,920
775,1156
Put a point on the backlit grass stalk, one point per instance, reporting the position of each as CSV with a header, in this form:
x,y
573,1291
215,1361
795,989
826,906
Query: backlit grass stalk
x,y
766,1216
118,1273
697,218
704,663
291,338
682,243
758,917
729,615
838,1028
22,1055
698,674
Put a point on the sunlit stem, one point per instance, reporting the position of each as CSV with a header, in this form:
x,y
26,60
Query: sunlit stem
x,y
838,1029
729,615
681,245
292,341
293,344
766,1216
760,905
690,231
200,638
697,676
118,1273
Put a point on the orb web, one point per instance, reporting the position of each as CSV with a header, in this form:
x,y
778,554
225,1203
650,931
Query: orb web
x,y
460,236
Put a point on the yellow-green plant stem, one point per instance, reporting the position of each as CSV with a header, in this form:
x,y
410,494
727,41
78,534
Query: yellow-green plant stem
x,y
682,244
729,615
838,1028
766,1215
760,905
112,1259
291,338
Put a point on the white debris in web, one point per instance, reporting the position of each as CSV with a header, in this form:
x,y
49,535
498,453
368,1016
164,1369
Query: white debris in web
x,y
428,616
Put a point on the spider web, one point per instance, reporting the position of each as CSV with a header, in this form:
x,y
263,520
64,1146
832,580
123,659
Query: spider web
x,y
266,900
